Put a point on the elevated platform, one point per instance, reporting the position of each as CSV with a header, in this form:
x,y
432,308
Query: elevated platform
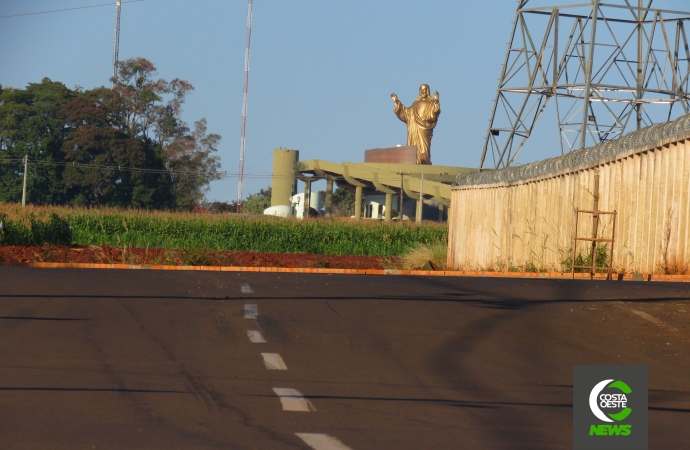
x,y
418,188
386,178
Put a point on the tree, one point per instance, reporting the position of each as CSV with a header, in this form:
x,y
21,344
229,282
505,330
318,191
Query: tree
x,y
343,202
192,164
220,207
257,203
99,147
126,146
30,124
138,123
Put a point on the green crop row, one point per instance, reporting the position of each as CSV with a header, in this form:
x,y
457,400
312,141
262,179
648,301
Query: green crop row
x,y
188,231
55,230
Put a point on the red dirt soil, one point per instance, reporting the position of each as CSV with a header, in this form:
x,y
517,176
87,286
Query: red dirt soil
x,y
108,255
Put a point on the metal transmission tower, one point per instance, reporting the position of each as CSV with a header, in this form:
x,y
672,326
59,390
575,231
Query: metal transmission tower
x,y
601,64
116,43
244,104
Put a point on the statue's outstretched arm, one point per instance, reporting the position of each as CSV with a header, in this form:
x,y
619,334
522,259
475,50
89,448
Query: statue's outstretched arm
x,y
399,109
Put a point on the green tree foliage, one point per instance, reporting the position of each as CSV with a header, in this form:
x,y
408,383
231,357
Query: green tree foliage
x,y
193,165
220,207
30,125
343,202
83,146
96,139
257,203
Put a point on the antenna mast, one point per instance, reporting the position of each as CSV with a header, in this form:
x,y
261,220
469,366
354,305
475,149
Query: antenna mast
x,y
244,105
116,43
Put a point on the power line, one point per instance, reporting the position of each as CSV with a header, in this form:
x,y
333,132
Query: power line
x,y
68,9
125,168
387,176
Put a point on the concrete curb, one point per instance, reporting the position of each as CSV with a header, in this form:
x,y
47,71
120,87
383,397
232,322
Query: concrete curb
x,y
440,273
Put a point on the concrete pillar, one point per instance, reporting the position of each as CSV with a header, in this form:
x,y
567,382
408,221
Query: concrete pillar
x,y
284,183
420,202
389,207
329,198
307,198
440,212
358,202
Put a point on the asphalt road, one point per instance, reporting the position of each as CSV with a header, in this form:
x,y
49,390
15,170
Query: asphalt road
x,y
97,359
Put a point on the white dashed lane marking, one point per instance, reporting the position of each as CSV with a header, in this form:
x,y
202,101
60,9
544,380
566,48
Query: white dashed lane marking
x,y
256,337
293,400
273,361
251,311
322,441
653,319
290,399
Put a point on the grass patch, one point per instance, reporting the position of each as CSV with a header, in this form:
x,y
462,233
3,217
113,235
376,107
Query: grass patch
x,y
421,254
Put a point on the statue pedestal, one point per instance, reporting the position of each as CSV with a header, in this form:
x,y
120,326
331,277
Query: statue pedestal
x,y
392,155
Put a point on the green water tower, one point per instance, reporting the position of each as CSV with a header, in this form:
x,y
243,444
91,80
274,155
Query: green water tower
x,y
284,182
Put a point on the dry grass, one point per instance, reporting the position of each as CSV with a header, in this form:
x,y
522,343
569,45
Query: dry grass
x,y
674,266
421,254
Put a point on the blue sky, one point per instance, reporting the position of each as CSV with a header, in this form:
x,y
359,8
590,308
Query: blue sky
x,y
322,71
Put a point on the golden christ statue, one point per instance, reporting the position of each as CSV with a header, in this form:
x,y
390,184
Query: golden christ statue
x,y
421,118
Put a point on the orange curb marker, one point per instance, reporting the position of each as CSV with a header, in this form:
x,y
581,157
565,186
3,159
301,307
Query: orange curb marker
x,y
375,272
449,273
454,273
436,273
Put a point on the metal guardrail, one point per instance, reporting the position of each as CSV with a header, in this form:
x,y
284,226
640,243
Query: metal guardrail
x,y
576,158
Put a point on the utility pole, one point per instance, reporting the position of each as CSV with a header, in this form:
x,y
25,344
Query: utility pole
x,y
244,105
402,193
116,42
26,164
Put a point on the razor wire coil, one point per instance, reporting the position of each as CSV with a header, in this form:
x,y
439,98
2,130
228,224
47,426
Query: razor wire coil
x,y
608,149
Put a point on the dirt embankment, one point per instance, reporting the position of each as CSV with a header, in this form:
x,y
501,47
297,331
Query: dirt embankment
x,y
118,255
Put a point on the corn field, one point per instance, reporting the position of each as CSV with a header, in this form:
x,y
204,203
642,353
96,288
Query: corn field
x,y
146,229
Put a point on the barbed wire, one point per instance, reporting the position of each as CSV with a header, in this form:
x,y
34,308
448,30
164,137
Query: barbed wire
x,y
577,158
